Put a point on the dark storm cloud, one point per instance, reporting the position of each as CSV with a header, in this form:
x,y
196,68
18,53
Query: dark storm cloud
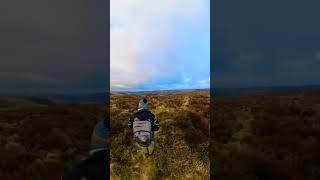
x,y
53,46
265,43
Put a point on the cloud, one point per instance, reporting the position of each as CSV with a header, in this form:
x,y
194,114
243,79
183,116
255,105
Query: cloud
x,y
42,50
317,56
266,43
143,38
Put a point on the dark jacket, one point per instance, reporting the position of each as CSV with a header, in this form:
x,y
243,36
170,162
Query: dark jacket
x,y
97,166
94,168
145,115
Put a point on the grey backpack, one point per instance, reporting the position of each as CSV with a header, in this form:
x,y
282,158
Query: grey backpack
x,y
142,132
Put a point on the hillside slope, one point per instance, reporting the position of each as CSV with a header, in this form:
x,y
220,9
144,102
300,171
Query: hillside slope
x,y
41,140
181,150
273,136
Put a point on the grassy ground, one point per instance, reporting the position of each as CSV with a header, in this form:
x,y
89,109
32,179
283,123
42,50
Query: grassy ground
x,y
181,149
274,136
41,140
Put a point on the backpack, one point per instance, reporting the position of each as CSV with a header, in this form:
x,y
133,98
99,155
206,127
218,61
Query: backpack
x,y
142,132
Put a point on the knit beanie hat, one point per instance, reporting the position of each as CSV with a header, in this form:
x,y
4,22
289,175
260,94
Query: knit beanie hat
x,y
143,104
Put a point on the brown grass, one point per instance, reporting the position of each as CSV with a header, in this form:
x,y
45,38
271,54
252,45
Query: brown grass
x,y
181,144
275,136
42,142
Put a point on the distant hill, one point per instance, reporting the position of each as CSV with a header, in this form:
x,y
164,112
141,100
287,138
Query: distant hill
x,y
102,97
159,91
262,90
76,98
47,99
13,102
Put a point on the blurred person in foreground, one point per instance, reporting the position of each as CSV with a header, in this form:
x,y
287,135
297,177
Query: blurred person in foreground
x,y
97,166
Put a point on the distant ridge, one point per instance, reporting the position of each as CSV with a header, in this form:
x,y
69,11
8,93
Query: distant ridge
x,y
89,97
77,98
49,99
262,90
158,91
102,97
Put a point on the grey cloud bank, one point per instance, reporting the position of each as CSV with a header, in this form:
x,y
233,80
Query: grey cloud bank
x,y
266,43
53,46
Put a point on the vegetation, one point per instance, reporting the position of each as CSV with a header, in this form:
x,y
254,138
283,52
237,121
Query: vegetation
x,y
274,136
42,140
181,148
271,136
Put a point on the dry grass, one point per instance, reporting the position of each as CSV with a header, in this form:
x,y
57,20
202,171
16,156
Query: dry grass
x,y
42,141
275,136
181,150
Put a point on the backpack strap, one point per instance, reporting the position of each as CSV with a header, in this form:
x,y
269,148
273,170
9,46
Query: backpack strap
x,y
142,126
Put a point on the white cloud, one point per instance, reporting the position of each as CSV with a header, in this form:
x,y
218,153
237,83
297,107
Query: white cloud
x,y
205,83
317,56
142,35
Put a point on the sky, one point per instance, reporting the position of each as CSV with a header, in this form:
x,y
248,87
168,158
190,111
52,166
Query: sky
x,y
266,43
53,46
60,46
159,45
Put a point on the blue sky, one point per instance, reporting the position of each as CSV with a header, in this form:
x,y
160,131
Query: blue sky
x,y
157,45
160,44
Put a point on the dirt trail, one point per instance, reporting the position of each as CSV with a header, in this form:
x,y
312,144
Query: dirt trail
x,y
186,103
147,169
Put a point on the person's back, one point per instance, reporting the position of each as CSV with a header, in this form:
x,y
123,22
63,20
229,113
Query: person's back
x,y
96,167
144,124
